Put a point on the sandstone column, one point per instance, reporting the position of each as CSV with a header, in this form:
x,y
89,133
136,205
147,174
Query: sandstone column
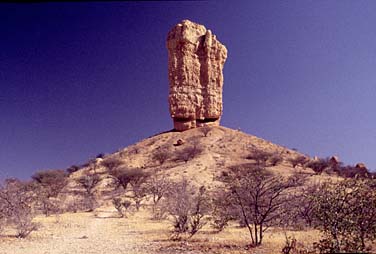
x,y
195,63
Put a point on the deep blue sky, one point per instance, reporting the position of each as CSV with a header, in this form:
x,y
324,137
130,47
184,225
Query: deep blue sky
x,y
78,79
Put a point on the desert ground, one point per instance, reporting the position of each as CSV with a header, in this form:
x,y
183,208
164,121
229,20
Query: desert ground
x,y
102,231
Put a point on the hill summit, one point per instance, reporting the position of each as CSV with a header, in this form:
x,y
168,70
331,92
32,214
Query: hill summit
x,y
198,155
198,149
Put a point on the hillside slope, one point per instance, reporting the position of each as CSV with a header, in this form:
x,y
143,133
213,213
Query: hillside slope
x,y
213,152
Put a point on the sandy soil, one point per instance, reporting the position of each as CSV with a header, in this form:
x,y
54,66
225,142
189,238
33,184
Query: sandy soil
x,y
79,233
103,232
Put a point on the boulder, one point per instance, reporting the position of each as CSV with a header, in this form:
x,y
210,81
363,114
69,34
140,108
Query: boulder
x,y
360,165
334,160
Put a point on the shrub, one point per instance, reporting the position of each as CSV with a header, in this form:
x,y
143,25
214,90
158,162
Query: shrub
x,y
16,199
49,183
205,130
75,205
52,181
111,163
188,206
158,186
263,158
301,207
89,182
136,179
222,210
72,169
85,203
138,187
318,165
100,156
188,153
299,160
121,206
257,196
260,157
23,220
200,210
161,155
123,176
3,216
275,159
292,246
352,172
346,214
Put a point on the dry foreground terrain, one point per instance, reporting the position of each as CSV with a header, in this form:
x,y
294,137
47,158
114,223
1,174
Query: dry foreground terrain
x,y
103,232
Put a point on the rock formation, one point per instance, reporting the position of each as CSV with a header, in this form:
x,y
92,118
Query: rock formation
x,y
360,165
195,63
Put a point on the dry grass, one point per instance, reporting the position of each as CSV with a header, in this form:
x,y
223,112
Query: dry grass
x,y
103,232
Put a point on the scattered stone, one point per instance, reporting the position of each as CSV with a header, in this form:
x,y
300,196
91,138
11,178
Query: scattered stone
x,y
179,142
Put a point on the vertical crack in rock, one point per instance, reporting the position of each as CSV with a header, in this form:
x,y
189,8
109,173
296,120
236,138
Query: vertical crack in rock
x,y
195,64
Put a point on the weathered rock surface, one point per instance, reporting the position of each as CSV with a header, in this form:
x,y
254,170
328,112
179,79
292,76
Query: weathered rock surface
x,y
195,64
361,165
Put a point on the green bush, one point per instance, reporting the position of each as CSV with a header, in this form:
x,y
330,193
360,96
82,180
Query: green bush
x,y
346,214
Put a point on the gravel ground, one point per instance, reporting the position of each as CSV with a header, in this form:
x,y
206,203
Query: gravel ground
x,y
80,233
102,232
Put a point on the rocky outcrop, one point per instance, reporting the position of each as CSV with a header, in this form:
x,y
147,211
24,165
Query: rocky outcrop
x,y
195,63
360,165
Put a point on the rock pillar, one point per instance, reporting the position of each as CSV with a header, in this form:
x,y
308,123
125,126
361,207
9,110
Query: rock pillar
x,y
195,63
